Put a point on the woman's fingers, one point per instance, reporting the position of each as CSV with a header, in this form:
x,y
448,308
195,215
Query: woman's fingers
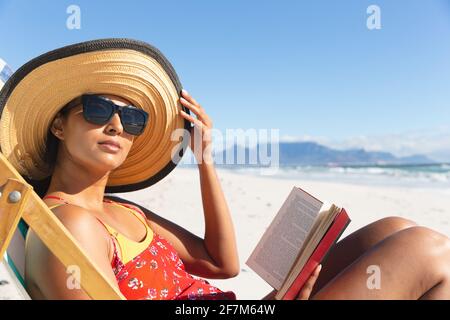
x,y
190,103
202,125
188,97
193,120
306,290
191,107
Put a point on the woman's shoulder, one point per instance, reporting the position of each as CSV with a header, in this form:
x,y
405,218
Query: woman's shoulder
x,y
76,218
81,224
72,216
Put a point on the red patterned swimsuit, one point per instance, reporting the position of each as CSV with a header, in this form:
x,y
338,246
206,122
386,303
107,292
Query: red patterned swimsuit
x,y
157,273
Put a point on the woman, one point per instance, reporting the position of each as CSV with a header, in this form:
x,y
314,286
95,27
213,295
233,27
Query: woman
x,y
149,257
79,181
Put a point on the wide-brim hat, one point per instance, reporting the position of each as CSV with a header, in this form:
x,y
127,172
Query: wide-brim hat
x,y
131,69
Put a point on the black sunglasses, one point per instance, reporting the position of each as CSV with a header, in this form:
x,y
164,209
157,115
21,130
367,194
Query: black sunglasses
x,y
99,110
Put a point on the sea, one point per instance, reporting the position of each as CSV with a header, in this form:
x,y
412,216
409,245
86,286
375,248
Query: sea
x,y
414,176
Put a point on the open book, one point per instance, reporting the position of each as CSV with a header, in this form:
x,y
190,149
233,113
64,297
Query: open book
x,y
297,240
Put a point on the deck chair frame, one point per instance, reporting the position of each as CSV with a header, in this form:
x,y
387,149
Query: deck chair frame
x,y
18,201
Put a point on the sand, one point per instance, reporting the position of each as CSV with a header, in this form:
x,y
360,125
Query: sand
x,y
255,200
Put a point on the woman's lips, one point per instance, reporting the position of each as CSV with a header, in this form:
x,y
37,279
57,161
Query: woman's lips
x,y
108,147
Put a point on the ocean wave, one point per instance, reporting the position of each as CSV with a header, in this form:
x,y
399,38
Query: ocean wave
x,y
422,176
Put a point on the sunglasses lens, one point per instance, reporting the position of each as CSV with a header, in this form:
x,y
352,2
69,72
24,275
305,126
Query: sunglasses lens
x,y
134,120
97,111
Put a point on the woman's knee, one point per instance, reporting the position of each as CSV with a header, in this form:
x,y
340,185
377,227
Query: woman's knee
x,y
394,224
431,245
375,232
433,239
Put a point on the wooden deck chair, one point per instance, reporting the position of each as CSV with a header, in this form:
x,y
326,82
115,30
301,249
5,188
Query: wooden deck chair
x,y
21,208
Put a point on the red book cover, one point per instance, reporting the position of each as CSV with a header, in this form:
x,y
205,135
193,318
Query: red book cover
x,y
329,239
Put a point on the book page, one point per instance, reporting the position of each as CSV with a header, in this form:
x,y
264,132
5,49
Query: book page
x,y
280,244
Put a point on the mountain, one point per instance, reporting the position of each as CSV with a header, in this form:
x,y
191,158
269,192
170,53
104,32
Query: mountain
x,y
311,153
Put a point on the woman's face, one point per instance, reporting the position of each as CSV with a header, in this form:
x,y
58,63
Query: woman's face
x,y
83,143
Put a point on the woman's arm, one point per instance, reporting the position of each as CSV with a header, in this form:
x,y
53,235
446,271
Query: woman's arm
x,y
219,240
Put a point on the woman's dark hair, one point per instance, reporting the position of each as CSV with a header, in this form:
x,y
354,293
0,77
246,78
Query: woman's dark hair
x,y
51,152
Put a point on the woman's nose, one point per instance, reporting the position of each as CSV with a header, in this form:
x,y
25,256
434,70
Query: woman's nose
x,y
115,124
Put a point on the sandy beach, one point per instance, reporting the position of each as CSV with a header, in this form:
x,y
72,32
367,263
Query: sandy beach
x,y
255,200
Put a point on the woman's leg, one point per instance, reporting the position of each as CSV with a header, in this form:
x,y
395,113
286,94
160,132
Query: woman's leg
x,y
354,245
414,263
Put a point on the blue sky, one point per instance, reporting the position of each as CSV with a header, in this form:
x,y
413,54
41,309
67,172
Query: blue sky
x,y
312,69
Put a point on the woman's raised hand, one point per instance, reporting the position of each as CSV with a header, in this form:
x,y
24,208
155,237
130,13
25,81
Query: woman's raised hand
x,y
200,141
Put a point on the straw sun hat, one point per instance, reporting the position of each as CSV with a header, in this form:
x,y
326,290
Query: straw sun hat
x,y
131,69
